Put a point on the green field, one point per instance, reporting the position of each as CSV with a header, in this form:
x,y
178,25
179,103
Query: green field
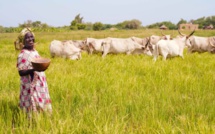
x,y
118,94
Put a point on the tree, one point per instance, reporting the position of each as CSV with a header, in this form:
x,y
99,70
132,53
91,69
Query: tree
x,y
129,24
182,21
106,26
79,19
1,29
37,24
89,26
28,23
205,21
168,24
133,24
97,26
73,25
77,23
81,26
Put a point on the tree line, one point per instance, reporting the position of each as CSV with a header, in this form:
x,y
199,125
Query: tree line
x,y
78,24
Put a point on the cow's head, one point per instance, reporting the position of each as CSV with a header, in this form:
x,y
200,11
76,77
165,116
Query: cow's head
x,y
189,42
165,36
87,46
188,38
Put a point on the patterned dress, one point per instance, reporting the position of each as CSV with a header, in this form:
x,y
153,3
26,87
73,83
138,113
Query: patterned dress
x,y
34,94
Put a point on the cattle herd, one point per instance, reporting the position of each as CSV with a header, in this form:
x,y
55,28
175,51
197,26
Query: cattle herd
x,y
153,45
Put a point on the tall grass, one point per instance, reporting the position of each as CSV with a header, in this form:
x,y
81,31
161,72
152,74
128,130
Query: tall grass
x,y
117,94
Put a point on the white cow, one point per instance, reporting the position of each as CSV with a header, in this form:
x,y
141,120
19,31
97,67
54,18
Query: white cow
x,y
143,42
200,44
170,48
153,40
80,44
65,49
93,45
119,45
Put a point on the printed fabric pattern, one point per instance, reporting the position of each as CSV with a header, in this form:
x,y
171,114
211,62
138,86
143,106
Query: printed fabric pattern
x,y
34,94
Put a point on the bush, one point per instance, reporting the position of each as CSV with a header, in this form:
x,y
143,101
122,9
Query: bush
x,y
97,26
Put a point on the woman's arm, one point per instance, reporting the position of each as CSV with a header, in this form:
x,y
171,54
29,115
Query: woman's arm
x,y
26,72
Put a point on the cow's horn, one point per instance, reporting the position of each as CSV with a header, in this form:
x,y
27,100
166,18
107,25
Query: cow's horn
x,y
148,41
191,33
181,33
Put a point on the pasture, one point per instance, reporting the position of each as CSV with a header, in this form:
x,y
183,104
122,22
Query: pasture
x,y
119,94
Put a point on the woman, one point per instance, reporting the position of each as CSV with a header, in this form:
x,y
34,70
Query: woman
x,y
34,94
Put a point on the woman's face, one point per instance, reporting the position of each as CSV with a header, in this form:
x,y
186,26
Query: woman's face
x,y
29,40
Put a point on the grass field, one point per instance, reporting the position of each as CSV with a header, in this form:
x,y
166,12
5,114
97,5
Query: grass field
x,y
119,94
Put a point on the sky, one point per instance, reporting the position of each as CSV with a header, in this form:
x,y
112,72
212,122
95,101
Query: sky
x,y
59,13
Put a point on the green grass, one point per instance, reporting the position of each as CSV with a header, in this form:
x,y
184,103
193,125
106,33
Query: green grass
x,y
117,94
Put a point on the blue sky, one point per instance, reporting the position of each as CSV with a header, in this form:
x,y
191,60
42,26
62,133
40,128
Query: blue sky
x,y
62,12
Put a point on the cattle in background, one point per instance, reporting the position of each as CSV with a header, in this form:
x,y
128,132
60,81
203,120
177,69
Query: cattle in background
x,y
200,44
119,45
170,48
153,39
80,44
143,42
65,49
93,45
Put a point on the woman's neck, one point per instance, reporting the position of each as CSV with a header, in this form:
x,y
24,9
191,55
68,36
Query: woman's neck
x,y
29,48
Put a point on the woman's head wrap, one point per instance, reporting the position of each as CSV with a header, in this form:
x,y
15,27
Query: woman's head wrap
x,y
19,43
23,33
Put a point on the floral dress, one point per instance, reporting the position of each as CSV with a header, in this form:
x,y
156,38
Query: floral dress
x,y
34,94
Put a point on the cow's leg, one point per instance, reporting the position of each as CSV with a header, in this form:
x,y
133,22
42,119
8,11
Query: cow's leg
x,y
155,58
155,55
106,48
182,56
79,56
164,56
91,51
156,52
104,54
128,53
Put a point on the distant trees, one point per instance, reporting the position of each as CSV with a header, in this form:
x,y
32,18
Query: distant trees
x,y
205,21
35,24
129,24
168,24
79,24
1,29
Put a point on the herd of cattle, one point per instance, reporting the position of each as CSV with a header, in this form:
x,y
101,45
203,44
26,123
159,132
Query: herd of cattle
x,y
153,46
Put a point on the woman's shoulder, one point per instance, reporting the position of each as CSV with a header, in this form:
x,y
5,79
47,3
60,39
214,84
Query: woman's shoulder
x,y
27,53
